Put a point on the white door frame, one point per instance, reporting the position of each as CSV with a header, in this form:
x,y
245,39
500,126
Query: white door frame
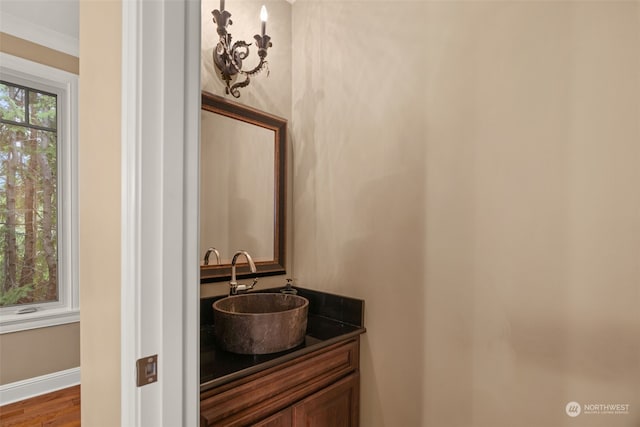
x,y
160,271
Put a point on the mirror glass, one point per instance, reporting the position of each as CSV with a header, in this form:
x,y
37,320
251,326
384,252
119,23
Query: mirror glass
x,y
236,191
242,155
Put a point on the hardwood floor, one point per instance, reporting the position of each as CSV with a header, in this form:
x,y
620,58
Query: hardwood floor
x,y
60,408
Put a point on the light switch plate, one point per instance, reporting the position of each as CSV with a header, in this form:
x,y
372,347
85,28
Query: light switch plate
x,y
147,369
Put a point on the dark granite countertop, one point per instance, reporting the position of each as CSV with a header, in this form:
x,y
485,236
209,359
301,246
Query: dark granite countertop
x,y
332,318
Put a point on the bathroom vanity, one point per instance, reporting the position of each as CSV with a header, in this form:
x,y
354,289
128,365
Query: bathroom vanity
x,y
314,384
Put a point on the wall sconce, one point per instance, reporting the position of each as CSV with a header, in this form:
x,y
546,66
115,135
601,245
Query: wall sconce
x,y
228,57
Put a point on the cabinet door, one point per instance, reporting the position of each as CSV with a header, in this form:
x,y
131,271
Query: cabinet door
x,y
337,405
281,419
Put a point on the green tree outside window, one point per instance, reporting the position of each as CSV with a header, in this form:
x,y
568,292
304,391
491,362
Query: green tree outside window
x,y
28,196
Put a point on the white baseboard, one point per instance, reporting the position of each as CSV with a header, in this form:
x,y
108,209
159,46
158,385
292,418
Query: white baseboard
x,y
32,387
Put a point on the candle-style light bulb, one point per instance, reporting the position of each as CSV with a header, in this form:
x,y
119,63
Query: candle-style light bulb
x,y
221,5
263,18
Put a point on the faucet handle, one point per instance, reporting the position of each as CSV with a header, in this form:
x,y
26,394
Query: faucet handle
x,y
243,287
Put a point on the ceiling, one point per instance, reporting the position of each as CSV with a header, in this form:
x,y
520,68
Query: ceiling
x,y
50,23
60,16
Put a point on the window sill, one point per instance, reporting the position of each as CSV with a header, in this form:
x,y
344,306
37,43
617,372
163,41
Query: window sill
x,y
39,319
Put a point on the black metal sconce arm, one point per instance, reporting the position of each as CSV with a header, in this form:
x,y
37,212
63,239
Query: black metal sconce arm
x,y
228,57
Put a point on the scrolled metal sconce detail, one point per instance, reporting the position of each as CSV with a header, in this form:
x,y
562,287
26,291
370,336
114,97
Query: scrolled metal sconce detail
x,y
228,57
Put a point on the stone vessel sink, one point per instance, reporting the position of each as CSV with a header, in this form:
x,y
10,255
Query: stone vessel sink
x,y
260,323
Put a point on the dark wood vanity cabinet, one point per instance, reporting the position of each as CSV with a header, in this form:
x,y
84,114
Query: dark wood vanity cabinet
x,y
318,389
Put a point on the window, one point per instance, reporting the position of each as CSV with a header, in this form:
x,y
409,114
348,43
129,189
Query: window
x,y
38,192
28,200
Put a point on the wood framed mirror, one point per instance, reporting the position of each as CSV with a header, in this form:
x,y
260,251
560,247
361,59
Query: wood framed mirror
x,y
242,188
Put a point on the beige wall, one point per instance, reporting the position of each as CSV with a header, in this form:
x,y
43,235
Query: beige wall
x,y
43,351
100,88
37,352
470,169
37,53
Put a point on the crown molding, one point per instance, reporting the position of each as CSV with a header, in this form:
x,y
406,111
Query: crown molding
x,y
47,37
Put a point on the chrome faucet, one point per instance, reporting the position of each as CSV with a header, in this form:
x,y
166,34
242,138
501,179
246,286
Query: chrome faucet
x,y
206,256
234,287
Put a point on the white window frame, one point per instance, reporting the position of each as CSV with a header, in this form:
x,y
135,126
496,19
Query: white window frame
x,y
65,85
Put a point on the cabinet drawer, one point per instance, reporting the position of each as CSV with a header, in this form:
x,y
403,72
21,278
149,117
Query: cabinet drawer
x,y
253,398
